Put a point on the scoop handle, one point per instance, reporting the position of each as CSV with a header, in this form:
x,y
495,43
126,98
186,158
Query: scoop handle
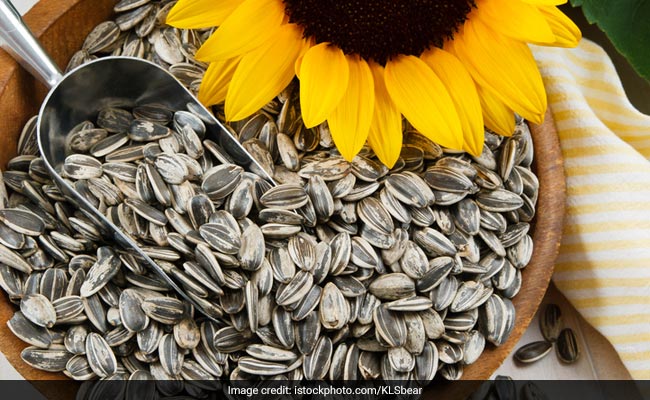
x,y
24,47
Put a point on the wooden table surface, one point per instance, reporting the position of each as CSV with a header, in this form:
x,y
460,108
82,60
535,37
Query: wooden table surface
x,y
598,359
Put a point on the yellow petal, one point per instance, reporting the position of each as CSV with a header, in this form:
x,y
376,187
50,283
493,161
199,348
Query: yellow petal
x,y
423,99
196,14
385,136
463,93
567,34
324,76
503,65
497,116
216,79
350,120
263,73
515,19
297,65
310,43
249,26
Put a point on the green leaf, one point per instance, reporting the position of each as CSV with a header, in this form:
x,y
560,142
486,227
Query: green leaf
x,y
626,23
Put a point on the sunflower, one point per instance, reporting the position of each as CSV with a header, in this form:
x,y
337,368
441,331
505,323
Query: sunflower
x,y
450,67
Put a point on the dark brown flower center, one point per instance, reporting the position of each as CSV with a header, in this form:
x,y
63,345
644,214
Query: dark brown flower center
x,y
379,29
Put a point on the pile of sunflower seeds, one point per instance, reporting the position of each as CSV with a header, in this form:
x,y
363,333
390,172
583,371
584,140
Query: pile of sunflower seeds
x,y
550,324
343,271
139,30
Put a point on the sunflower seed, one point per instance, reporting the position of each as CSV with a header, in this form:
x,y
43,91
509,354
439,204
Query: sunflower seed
x,y
426,364
100,356
401,359
220,181
331,169
496,318
39,310
101,37
187,334
443,294
567,347
414,262
351,362
446,179
505,387
434,242
14,260
550,322
106,267
317,363
172,169
498,200
533,351
390,326
452,372
415,303
171,358
149,338
295,290
287,196
521,253
78,368
131,313
308,332
473,347
334,308
131,18
493,242
52,359
11,238
389,373
67,308
262,368
393,286
372,212
403,188
166,310
221,238
28,332
22,222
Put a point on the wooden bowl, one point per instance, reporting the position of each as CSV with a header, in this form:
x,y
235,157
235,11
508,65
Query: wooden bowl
x,y
62,26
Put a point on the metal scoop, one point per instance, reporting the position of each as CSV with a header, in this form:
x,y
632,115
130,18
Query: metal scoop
x,y
81,93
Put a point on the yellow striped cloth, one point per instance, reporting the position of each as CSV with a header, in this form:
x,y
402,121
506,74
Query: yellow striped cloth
x,y
604,263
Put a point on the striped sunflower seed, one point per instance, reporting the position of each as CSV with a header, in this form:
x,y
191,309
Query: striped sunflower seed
x,y
106,267
39,310
550,322
23,222
100,356
567,347
28,332
334,308
532,352
287,196
52,359
390,326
